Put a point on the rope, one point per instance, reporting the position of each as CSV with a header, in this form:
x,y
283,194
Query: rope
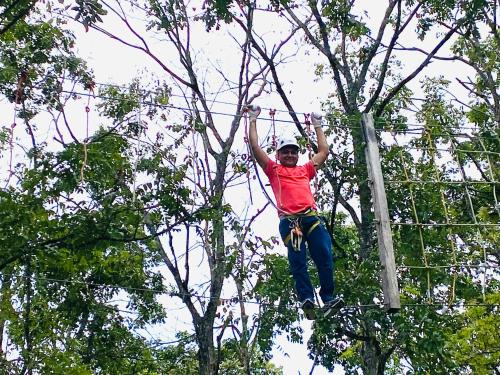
x,y
417,220
485,225
492,176
474,218
246,157
196,167
484,151
449,235
266,194
274,139
443,182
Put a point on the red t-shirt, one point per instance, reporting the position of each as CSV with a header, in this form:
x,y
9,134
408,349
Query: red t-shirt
x,y
291,186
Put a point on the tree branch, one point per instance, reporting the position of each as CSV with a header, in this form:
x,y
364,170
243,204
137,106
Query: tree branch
x,y
373,49
395,90
334,63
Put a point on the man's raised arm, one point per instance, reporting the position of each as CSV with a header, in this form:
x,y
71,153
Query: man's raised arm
x,y
258,153
319,158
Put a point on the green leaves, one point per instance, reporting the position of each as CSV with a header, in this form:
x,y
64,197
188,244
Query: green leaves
x,y
341,18
118,103
36,53
475,346
89,12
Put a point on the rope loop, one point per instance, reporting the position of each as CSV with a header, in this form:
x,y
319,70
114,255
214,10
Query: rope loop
x,y
307,119
274,139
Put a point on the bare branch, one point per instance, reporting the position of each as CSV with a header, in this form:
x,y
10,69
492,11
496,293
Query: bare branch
x,y
334,63
270,62
427,60
390,48
467,85
184,292
373,48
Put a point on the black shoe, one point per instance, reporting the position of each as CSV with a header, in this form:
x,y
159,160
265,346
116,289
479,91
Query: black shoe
x,y
309,309
332,307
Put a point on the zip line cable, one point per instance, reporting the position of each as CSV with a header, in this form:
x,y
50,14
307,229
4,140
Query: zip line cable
x,y
451,266
486,225
408,181
283,121
152,92
225,300
168,106
482,152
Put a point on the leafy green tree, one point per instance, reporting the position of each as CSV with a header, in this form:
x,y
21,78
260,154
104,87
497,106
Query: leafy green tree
x,y
475,347
202,210
12,11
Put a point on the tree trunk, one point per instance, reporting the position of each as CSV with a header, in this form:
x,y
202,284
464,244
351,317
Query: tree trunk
x,y
245,333
365,196
370,351
206,352
370,359
207,357
3,300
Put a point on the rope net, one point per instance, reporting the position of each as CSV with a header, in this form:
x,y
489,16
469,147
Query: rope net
x,y
443,204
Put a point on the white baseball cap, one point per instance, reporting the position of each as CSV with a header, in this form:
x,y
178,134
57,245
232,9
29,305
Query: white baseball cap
x,y
286,141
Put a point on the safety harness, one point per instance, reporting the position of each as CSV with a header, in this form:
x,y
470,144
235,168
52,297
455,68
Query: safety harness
x,y
296,234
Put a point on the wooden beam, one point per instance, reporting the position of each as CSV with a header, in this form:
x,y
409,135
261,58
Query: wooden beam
x,y
384,234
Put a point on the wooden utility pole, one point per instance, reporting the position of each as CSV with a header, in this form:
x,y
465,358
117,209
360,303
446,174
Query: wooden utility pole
x,y
384,234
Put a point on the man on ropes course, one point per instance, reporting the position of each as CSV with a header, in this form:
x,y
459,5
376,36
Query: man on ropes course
x,y
299,221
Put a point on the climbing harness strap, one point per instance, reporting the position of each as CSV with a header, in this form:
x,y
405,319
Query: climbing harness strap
x,y
296,234
318,222
305,213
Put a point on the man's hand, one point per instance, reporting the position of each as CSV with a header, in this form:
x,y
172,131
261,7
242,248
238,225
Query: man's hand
x,y
322,153
253,111
258,153
316,119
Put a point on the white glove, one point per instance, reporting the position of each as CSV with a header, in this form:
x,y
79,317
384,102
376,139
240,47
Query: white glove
x,y
253,111
316,119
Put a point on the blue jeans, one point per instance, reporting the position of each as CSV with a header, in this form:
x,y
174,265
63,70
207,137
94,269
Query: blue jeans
x,y
320,248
